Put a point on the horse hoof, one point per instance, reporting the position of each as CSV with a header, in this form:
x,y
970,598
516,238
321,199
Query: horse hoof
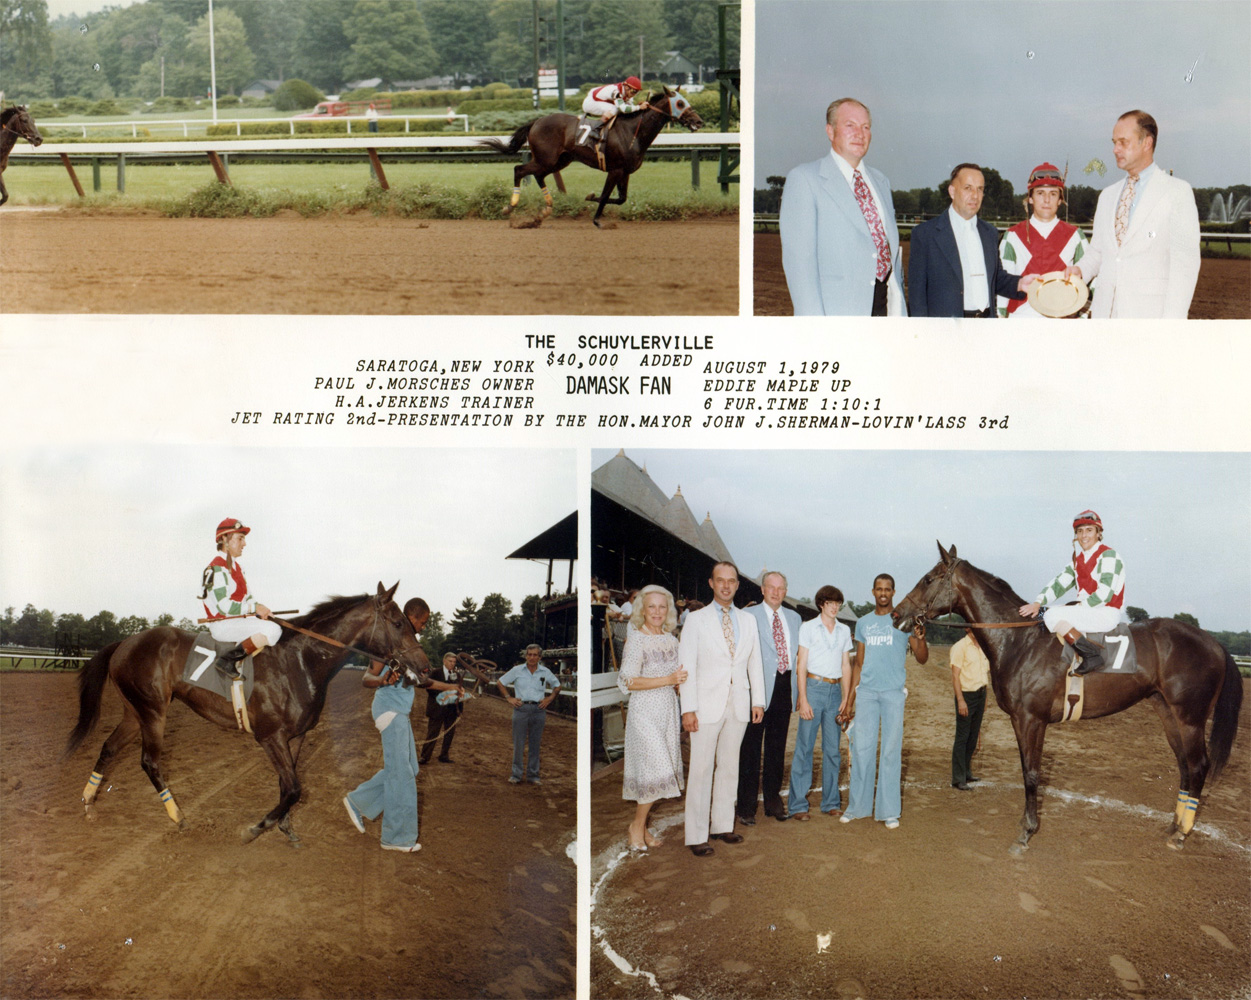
x,y
183,826
1018,849
249,834
90,812
508,211
597,225
1177,841
547,210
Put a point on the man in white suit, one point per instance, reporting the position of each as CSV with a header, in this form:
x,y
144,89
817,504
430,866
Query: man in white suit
x,y
1145,247
840,245
778,629
723,691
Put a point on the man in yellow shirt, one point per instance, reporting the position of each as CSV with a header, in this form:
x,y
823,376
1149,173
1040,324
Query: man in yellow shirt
x,y
970,673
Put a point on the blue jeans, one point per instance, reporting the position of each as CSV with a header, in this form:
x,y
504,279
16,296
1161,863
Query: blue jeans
x,y
528,723
392,792
824,700
874,710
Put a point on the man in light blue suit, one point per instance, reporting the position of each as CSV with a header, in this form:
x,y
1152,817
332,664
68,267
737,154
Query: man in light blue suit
x,y
779,633
840,245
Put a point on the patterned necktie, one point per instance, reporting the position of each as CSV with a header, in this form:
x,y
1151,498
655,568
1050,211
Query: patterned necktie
x,y
727,630
865,201
779,640
1123,206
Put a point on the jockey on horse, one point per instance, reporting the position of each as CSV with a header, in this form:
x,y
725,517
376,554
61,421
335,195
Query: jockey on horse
x,y
611,100
236,615
1099,576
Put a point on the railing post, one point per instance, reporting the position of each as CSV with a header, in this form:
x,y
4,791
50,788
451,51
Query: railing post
x,y
695,168
121,173
95,174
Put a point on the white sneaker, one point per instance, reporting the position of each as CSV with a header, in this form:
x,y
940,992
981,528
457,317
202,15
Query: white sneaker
x,y
892,824
845,818
412,849
514,781
353,815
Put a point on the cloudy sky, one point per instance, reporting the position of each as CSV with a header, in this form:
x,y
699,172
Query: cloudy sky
x,y
129,529
1181,522
1007,84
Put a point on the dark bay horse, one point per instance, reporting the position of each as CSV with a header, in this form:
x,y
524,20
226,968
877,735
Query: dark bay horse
x,y
553,141
1186,674
15,123
288,693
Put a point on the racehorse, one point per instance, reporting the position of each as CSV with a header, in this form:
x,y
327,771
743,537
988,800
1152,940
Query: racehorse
x,y
15,123
554,144
288,693
1186,674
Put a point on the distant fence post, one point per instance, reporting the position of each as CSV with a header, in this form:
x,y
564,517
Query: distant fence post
x,y
121,173
95,174
695,169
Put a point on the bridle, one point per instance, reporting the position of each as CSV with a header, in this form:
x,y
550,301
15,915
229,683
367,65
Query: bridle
x,y
391,662
6,127
922,617
668,114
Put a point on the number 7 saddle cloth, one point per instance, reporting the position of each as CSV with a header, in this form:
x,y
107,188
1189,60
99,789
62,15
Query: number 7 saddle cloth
x,y
199,671
1116,646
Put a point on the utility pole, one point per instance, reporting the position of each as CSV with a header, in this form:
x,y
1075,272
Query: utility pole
x,y
560,54
536,53
212,64
641,57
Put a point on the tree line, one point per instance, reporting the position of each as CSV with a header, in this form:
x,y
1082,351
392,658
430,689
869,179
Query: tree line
x,y
161,47
1238,643
1000,203
491,630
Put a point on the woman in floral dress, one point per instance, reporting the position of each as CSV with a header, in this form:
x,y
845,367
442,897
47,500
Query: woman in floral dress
x,y
649,675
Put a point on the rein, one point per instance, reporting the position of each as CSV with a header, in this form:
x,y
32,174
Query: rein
x,y
923,618
328,639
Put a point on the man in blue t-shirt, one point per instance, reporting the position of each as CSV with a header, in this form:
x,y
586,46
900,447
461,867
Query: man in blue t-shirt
x,y
877,702
529,699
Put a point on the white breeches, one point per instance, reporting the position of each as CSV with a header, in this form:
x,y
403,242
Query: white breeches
x,y
238,629
594,107
1084,618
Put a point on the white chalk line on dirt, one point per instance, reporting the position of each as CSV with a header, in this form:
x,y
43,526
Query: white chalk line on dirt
x,y
616,852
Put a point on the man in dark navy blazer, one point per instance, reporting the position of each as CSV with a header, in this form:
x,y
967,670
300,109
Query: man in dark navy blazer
x,y
953,264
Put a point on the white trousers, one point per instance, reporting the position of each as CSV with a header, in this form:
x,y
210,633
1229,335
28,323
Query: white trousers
x,y
594,107
712,780
238,629
1084,618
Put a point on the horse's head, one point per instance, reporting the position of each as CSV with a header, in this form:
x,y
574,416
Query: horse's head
x,y
934,594
393,638
18,121
674,104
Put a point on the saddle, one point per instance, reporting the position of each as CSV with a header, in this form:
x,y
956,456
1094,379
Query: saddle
x,y
1119,657
198,671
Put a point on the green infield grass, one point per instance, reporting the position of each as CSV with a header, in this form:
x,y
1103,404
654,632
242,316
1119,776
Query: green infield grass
x,y
438,190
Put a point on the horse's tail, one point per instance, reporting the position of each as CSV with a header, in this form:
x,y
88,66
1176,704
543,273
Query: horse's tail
x,y
515,142
91,681
1225,718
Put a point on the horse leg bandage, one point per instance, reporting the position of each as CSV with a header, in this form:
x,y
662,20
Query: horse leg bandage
x,y
1182,799
171,807
93,786
515,198
1188,814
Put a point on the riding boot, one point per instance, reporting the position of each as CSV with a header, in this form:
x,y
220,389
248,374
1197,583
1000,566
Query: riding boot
x,y
228,663
1092,659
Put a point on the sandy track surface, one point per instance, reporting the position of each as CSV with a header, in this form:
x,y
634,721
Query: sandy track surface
x,y
1098,906
127,906
70,262
1223,291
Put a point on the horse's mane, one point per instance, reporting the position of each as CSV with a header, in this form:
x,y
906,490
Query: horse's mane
x,y
10,111
328,610
999,587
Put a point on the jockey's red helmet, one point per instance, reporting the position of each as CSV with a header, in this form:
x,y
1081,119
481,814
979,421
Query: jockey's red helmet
x,y
229,527
1045,175
634,82
1087,517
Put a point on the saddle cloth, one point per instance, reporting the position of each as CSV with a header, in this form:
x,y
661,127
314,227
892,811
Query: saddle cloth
x,y
1116,646
199,671
587,123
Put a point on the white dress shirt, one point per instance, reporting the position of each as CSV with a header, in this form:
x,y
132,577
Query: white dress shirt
x,y
972,261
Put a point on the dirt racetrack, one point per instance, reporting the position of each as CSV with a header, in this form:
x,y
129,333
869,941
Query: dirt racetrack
x,y
1098,906
127,906
1223,291
71,262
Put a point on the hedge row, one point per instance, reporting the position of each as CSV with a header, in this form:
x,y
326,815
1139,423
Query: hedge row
x,y
331,127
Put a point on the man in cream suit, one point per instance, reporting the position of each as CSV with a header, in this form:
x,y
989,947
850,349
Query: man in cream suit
x,y
1145,247
723,691
840,246
778,629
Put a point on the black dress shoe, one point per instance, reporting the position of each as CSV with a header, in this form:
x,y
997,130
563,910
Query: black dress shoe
x,y
446,760
777,809
729,838
745,820
963,786
701,850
